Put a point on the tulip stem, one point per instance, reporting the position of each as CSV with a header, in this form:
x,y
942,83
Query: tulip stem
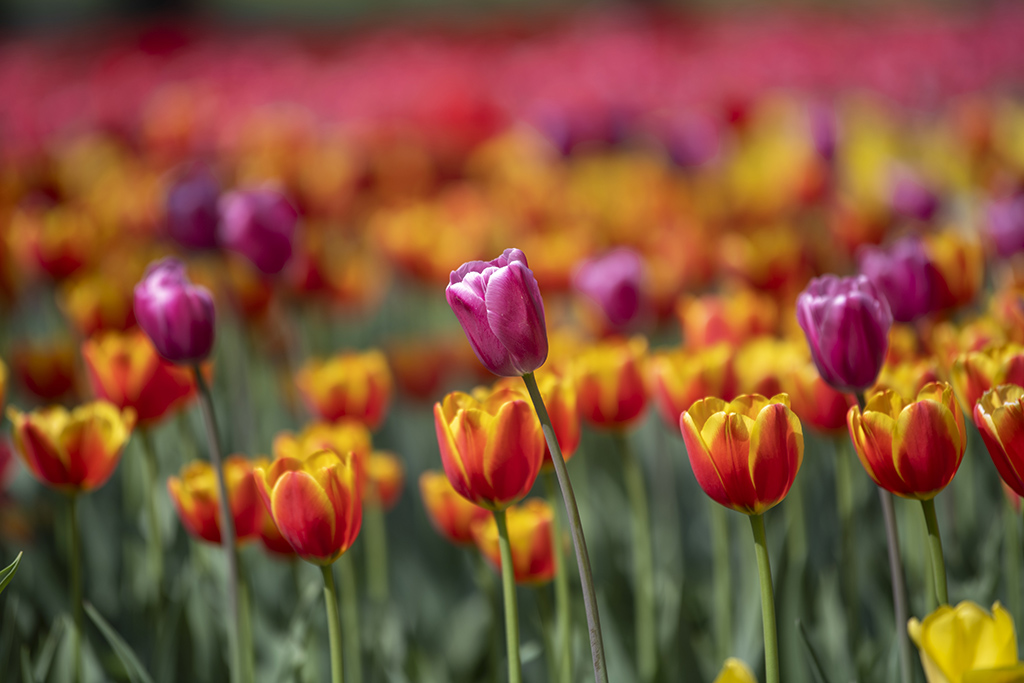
x,y
376,550
508,585
764,571
76,582
722,589
562,597
847,553
935,547
333,625
579,542
227,524
155,544
643,566
350,618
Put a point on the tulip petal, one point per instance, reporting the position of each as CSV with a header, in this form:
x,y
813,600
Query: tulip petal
x,y
1005,456
467,302
872,435
727,436
305,517
926,448
776,452
701,462
513,453
515,315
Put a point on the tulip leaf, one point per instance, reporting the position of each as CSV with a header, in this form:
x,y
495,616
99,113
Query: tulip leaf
x,y
49,649
812,656
26,667
7,573
132,665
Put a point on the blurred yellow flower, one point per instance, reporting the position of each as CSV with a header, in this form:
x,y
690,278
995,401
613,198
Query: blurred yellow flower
x,y
735,671
966,644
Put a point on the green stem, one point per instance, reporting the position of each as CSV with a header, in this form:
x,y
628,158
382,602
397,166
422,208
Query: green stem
x,y
579,542
722,589
847,552
935,548
245,625
227,525
508,586
547,628
764,571
643,565
333,625
155,544
350,618
76,582
563,600
485,581
376,551
1011,553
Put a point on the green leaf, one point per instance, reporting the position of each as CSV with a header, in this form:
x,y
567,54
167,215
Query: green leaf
x,y
49,650
812,656
26,667
132,665
7,573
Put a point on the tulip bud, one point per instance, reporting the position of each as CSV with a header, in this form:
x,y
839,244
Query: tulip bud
x,y
735,671
197,500
191,208
745,454
904,275
966,643
1005,225
452,515
260,225
846,322
529,535
999,415
499,306
613,282
177,315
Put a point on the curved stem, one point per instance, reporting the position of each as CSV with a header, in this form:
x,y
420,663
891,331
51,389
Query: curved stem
x,y
350,618
579,542
227,523
722,589
764,572
643,566
935,548
333,625
76,582
376,550
508,586
562,598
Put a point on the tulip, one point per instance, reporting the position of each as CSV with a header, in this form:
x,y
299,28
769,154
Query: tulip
x,y
98,301
344,436
499,306
562,401
385,475
847,323
679,378
904,275
125,369
911,197
975,372
610,382
1005,225
191,208
259,224
451,514
949,340
966,644
529,532
270,535
195,497
735,671
763,364
177,315
45,368
347,385
998,415
960,265
492,449
614,283
814,401
733,318
73,450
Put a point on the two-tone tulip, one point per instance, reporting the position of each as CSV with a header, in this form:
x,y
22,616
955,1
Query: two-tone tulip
x,y
492,446
999,414
908,376
99,300
270,535
559,394
352,385
745,453
499,306
530,537
732,318
45,368
385,477
197,501
966,643
814,401
73,450
680,377
910,448
975,372
451,514
343,436
177,315
960,263
610,382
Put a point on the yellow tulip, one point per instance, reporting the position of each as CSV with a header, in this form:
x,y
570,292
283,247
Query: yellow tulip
x,y
966,644
735,671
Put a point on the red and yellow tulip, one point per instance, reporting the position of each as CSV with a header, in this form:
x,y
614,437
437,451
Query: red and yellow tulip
x,y
999,415
195,497
385,477
561,401
814,401
975,372
45,368
679,377
731,318
270,535
353,385
610,382
343,436
451,514
529,535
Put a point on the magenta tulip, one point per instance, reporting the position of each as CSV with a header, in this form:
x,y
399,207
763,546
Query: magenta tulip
x,y
176,315
259,224
911,197
613,282
1005,225
191,208
904,275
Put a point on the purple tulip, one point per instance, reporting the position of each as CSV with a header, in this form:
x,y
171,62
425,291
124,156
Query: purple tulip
x,y
824,129
911,197
191,209
499,306
613,282
259,224
1006,225
904,275
176,315
846,322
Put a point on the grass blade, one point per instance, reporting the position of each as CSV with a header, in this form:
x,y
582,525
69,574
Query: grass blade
x,y
812,656
124,652
7,573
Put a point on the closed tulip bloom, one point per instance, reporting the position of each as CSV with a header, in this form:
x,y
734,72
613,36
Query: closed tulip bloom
x,y
195,497
73,450
270,535
191,208
846,322
735,671
259,224
966,644
562,402
125,369
529,535
499,306
386,476
745,454
910,448
733,318
614,283
904,275
814,401
975,372
451,514
492,449
610,382
679,378
999,415
315,502
177,315
355,385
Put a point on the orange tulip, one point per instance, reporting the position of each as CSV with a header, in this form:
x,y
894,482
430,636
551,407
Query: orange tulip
x,y
270,535
910,448
559,394
610,382
72,450
814,401
385,475
492,446
451,514
745,453
729,317
46,369
197,500
680,377
999,415
125,369
315,502
355,385
529,535
975,372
